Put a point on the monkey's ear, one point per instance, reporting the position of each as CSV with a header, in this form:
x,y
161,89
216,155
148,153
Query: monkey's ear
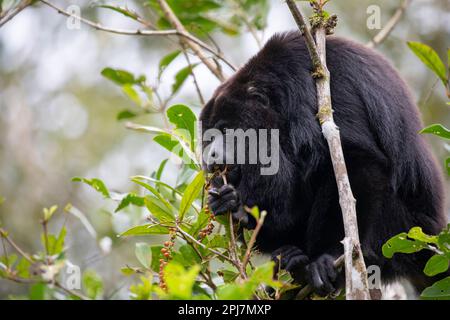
x,y
258,95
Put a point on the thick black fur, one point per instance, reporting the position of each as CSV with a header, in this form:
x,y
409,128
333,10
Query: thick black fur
x,y
393,175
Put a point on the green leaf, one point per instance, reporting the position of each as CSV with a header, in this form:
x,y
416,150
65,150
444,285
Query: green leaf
x,y
191,193
244,291
263,274
119,77
218,241
438,291
169,141
128,271
180,281
156,255
158,182
143,290
130,198
156,193
160,170
9,260
167,60
430,58
228,275
438,130
255,212
39,291
234,291
444,240
92,284
123,11
55,244
145,230
126,114
159,210
95,183
143,253
58,246
187,256
146,129
48,213
437,264
132,94
23,268
181,77
184,120
178,147
416,233
401,244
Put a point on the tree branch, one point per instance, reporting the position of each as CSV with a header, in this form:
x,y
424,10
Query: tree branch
x,y
252,241
4,235
304,29
9,14
355,269
390,25
176,23
143,32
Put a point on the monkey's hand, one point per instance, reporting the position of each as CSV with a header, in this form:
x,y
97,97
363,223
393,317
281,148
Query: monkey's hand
x,y
226,199
322,275
291,259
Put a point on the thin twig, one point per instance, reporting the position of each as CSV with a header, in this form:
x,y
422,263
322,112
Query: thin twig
x,y
197,86
9,14
252,241
5,236
71,292
142,32
176,23
430,92
309,39
5,253
390,25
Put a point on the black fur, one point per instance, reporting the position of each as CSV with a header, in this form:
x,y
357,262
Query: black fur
x,y
392,172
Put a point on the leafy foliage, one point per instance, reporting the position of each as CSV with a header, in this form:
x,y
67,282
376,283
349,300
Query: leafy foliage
x,y
416,240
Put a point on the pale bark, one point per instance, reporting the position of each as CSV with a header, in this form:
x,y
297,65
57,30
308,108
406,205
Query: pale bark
x,y
356,284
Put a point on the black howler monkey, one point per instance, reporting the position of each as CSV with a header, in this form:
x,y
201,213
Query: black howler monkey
x,y
392,172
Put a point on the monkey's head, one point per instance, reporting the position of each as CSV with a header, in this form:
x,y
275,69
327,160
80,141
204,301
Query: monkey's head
x,y
238,126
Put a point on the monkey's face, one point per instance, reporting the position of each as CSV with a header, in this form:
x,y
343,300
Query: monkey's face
x,y
238,131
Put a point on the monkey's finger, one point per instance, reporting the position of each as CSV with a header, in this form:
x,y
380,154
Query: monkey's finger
x,y
214,192
225,189
314,278
296,262
331,270
220,207
327,282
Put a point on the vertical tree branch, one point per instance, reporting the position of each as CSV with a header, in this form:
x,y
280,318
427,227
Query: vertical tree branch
x,y
355,268
176,23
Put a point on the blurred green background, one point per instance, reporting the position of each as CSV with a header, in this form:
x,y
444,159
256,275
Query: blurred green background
x,y
58,114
